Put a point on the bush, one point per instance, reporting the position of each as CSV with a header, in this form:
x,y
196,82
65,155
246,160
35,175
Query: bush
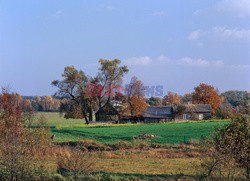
x,y
75,164
226,156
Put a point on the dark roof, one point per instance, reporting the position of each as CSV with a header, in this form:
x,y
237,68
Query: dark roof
x,y
106,107
199,108
158,112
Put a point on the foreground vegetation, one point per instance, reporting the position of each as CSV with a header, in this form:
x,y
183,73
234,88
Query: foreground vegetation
x,y
116,153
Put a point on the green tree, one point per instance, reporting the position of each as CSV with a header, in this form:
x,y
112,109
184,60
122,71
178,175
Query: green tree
x,y
154,101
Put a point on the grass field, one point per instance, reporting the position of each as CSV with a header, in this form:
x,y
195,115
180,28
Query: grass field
x,y
55,119
164,163
166,133
145,168
74,129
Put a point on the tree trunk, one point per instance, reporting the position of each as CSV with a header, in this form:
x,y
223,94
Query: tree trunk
x,y
90,115
99,101
86,118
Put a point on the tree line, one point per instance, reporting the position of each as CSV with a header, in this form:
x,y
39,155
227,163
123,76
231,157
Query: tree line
x,y
43,103
80,95
229,101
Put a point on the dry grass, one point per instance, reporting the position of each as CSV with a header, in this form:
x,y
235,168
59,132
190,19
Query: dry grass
x,y
170,159
147,166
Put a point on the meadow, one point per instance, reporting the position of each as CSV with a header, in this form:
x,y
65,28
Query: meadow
x,y
56,118
173,133
173,161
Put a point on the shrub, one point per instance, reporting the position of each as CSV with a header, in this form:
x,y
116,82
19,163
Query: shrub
x,y
226,156
18,145
75,164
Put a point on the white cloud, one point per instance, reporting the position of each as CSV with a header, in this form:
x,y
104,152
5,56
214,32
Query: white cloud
x,y
163,59
195,35
159,13
187,61
139,61
57,14
231,33
239,66
191,62
221,32
218,63
240,8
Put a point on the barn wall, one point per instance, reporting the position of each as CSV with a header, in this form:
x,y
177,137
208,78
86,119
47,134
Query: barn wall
x,y
193,116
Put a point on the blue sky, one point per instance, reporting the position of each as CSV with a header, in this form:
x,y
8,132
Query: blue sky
x,y
177,44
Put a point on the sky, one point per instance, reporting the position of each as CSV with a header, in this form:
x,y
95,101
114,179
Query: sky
x,y
174,44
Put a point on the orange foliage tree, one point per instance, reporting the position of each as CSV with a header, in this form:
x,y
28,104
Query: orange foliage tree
x,y
17,143
206,94
171,98
135,103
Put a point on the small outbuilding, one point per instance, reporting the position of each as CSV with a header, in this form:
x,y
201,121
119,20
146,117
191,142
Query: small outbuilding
x,y
107,113
195,112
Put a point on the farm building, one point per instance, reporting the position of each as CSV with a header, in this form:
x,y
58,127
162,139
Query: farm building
x,y
195,112
158,114
107,113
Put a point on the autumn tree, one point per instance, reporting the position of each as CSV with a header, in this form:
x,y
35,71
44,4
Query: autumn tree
x,y
27,112
135,103
17,143
171,98
10,109
109,78
206,94
47,103
187,98
74,87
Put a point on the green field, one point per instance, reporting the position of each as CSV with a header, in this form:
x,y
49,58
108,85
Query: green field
x,y
74,129
55,119
167,133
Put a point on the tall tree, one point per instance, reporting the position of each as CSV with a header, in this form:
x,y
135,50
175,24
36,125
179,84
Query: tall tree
x,y
171,98
135,103
109,78
206,94
73,86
